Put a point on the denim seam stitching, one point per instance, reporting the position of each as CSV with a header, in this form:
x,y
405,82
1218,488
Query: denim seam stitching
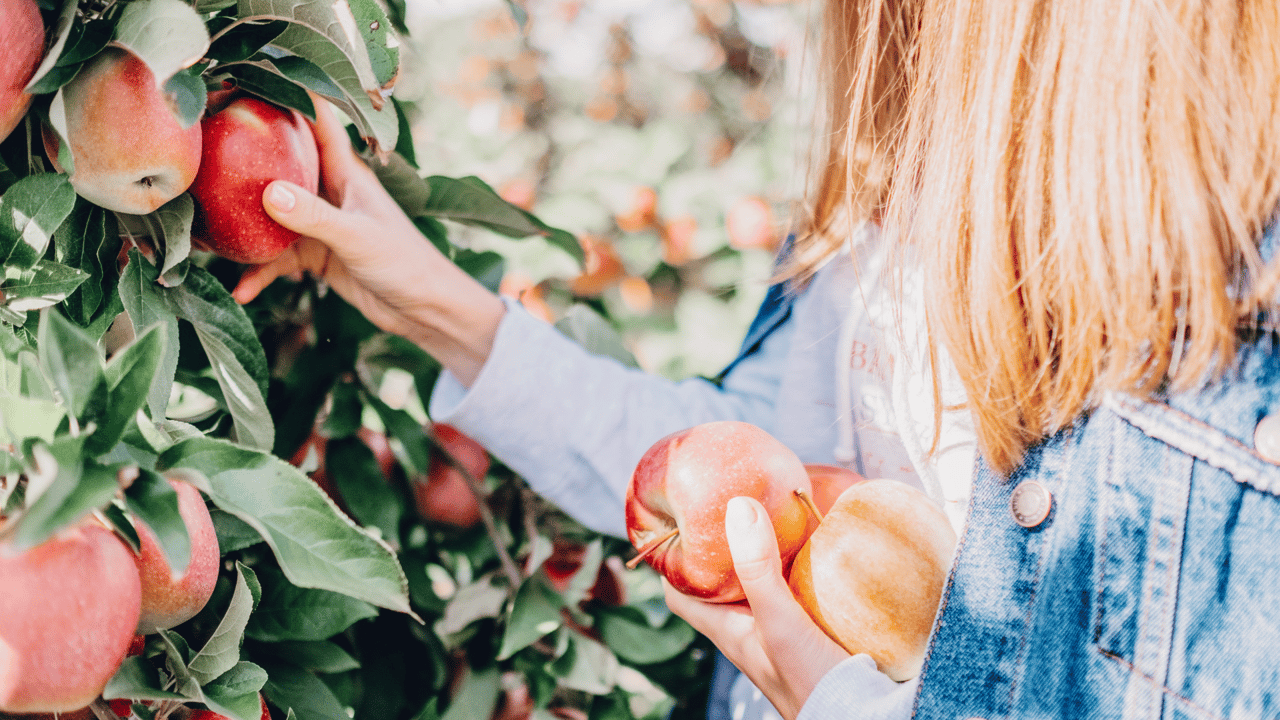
x,y
1159,686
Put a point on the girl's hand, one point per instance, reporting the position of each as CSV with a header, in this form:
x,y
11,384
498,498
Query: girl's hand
x,y
358,240
774,642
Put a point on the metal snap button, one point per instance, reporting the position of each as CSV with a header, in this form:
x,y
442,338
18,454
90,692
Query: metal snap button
x,y
1030,503
1266,438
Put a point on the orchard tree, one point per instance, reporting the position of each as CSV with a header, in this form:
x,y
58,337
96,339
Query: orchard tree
x,y
211,510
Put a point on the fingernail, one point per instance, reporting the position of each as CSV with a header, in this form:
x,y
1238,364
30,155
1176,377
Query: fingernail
x,y
281,197
739,514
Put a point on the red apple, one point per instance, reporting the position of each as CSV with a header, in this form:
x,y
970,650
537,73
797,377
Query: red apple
x,y
68,608
131,154
22,37
211,715
445,497
828,482
566,559
679,491
247,145
872,574
168,599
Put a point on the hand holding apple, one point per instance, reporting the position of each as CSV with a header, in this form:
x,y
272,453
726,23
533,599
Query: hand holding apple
x,y
246,145
676,500
770,638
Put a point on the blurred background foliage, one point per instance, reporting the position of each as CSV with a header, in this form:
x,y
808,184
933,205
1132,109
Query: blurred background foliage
x,y
666,134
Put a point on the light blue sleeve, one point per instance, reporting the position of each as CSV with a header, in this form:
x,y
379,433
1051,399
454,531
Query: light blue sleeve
x,y
856,690
574,424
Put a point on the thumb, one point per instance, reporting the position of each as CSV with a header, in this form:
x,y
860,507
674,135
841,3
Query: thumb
x,y
753,546
304,212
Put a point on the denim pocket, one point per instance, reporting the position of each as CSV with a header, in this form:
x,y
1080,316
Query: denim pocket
x,y
1187,576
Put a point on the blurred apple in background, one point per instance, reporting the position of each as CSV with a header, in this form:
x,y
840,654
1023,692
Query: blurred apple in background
x,y
445,497
68,608
248,144
130,152
676,501
22,37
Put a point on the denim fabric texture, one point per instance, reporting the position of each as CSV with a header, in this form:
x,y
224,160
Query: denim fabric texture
x,y
1152,589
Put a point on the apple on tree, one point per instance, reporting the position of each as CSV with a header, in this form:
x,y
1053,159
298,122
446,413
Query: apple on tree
x,y
446,497
170,599
22,37
68,609
675,503
246,145
872,574
130,153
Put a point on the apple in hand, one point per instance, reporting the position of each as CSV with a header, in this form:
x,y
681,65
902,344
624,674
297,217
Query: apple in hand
x,y
170,599
131,154
246,145
872,574
445,497
676,499
22,37
68,608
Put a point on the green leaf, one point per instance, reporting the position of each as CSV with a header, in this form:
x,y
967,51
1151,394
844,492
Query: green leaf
x,y
345,410
235,693
319,656
87,39
78,488
233,533
30,212
263,79
475,601
74,365
145,304
39,286
301,693
380,41
236,356
307,74
534,613
404,145
316,545
129,376
412,436
222,651
477,697
288,612
25,417
61,32
626,631
471,201
90,242
154,502
241,40
486,267
137,679
402,182
187,92
168,35
176,654
170,227
369,494
594,669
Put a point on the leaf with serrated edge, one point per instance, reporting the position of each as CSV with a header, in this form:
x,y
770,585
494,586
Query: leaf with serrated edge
x,y
145,306
253,426
235,694
332,21
37,287
317,546
221,653
73,362
30,212
168,35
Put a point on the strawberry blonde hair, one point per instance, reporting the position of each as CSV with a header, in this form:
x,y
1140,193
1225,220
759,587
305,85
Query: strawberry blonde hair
x,y
1083,184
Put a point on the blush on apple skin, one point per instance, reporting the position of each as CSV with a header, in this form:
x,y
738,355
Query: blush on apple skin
x,y
169,600
684,482
22,37
247,145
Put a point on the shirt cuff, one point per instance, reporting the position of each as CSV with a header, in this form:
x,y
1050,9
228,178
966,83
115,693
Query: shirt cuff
x,y
856,689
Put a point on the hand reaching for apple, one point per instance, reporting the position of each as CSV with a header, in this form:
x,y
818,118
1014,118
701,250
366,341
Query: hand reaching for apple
x,y
774,641
357,239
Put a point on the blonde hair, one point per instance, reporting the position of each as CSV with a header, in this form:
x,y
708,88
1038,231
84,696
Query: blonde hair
x,y
1084,183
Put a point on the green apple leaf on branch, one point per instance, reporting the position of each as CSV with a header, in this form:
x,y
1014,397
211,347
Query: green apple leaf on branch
x,y
288,612
62,30
221,652
30,212
145,305
471,201
168,35
89,241
38,286
316,545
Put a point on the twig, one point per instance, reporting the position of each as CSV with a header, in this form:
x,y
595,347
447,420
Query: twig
x,y
509,566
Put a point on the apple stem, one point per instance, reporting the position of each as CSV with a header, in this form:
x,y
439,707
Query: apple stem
x,y
809,503
647,549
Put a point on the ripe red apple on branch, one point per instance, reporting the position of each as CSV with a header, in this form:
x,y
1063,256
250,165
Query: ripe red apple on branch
x,y
22,37
170,599
445,497
246,145
871,575
676,499
68,608
129,151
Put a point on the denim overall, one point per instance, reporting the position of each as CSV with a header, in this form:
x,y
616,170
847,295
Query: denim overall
x,y
1151,586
